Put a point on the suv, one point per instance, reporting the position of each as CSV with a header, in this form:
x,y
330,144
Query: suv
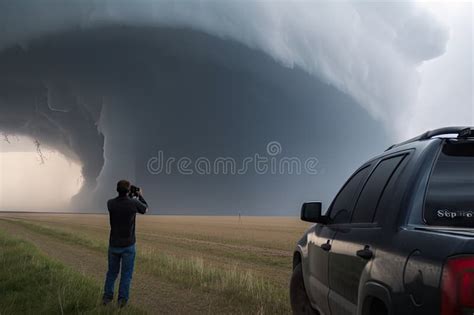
x,y
399,236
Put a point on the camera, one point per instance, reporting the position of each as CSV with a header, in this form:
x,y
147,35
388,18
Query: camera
x,y
134,190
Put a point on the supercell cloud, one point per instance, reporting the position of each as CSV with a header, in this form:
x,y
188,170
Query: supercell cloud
x,y
366,49
108,83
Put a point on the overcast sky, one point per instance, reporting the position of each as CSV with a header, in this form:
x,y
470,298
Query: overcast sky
x,y
109,84
446,91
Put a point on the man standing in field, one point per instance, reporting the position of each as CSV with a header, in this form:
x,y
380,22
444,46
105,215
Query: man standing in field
x,y
122,211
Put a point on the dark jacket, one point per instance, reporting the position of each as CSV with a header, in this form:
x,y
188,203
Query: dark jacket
x,y
122,211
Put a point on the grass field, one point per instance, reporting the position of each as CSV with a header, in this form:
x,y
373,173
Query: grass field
x,y
185,264
32,283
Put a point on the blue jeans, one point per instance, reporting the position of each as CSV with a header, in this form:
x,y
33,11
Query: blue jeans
x,y
125,255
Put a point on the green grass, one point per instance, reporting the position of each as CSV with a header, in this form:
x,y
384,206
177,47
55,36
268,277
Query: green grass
x,y
31,283
249,293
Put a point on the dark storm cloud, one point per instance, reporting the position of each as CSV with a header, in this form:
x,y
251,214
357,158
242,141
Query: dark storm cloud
x,y
112,95
351,45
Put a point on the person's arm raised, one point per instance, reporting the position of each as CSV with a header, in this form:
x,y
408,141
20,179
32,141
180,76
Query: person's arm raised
x,y
142,205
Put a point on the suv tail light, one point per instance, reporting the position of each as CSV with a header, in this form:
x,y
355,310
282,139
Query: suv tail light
x,y
457,286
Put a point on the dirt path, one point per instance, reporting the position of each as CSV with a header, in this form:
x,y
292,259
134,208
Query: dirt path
x,y
148,292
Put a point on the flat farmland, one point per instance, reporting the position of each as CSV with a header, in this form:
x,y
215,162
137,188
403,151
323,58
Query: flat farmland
x,y
185,264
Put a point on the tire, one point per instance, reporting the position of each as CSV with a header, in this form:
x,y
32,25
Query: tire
x,y
299,299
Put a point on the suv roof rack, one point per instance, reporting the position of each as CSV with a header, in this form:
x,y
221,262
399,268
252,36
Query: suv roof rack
x,y
462,132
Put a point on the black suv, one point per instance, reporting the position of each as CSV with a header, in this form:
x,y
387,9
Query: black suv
x,y
399,236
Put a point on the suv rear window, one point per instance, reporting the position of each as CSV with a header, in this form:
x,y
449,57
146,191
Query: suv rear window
x,y
450,196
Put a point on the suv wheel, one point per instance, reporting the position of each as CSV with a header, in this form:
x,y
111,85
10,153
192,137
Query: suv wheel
x,y
299,299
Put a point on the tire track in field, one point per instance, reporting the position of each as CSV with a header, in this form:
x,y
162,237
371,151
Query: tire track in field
x,y
148,293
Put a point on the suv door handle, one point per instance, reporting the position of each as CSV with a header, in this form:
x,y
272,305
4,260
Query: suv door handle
x,y
365,253
326,246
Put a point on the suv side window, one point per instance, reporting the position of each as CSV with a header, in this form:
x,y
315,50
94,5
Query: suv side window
x,y
369,198
343,204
